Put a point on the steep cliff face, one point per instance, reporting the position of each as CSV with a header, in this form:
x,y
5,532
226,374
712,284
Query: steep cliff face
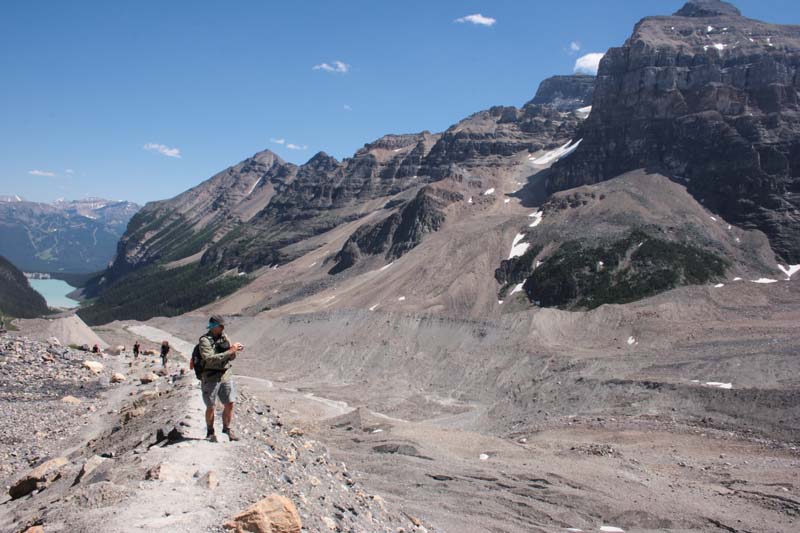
x,y
711,99
565,93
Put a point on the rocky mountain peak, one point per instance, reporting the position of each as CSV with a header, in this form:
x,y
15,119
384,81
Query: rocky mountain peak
x,y
322,161
268,158
708,8
565,93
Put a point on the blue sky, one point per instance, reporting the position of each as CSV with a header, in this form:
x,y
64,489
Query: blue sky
x,y
142,100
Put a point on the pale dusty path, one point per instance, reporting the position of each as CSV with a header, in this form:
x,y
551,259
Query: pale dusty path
x,y
178,503
157,335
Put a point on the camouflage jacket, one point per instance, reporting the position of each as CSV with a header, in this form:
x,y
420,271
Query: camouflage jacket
x,y
216,357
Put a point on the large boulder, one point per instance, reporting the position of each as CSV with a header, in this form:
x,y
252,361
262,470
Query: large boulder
x,y
116,350
39,478
94,366
273,514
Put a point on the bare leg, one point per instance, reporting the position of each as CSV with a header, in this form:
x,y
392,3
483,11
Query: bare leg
x,y
227,415
210,417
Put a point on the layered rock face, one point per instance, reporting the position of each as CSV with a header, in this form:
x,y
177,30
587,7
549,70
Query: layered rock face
x,y
710,98
565,93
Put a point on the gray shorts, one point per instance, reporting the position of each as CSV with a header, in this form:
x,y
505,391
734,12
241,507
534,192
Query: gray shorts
x,y
225,390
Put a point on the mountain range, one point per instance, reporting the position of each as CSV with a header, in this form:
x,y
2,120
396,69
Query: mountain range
x,y
705,99
77,236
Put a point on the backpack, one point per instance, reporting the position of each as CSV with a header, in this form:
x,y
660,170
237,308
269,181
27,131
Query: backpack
x,y
197,362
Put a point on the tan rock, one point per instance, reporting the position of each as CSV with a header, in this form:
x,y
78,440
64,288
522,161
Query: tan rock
x,y
164,472
94,366
72,400
148,378
295,432
116,350
329,522
273,514
34,529
39,478
135,412
88,467
117,378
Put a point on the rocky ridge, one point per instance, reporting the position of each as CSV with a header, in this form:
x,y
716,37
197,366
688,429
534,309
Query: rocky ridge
x,y
117,445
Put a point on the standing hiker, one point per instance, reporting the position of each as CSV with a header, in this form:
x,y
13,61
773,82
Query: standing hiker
x,y
215,355
136,348
164,353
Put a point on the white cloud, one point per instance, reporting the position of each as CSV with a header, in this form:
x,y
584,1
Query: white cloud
x,y
162,149
291,146
589,63
43,173
478,19
69,171
347,107
278,141
337,66
575,46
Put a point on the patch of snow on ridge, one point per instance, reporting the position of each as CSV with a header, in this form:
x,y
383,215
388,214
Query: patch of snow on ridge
x,y
789,270
583,112
612,529
764,280
517,289
386,266
719,285
537,218
555,155
253,187
518,248
489,191
631,340
374,307
719,385
470,200
401,299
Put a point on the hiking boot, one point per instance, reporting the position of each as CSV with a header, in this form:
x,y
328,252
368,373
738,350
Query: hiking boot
x,y
210,435
230,433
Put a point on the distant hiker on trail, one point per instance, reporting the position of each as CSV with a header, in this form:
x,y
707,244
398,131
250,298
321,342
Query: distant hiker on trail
x,y
136,348
211,362
164,353
95,349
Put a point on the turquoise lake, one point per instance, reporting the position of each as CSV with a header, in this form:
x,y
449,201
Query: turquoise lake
x,y
54,291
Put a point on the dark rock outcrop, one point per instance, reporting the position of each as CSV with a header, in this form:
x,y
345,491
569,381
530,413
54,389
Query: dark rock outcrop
x,y
400,232
565,93
710,98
